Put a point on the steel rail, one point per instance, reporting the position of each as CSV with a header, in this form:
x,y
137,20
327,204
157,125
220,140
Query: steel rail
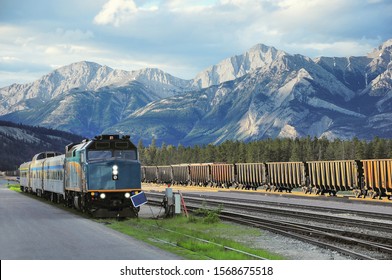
x,y
288,231
296,212
312,234
308,207
324,232
283,230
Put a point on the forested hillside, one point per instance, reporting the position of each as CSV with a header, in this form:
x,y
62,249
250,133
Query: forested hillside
x,y
19,143
270,150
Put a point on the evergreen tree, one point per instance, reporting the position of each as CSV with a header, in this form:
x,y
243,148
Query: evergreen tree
x,y
369,150
307,150
296,151
380,148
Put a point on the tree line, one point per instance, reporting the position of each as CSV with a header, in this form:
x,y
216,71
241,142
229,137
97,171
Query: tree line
x,y
268,150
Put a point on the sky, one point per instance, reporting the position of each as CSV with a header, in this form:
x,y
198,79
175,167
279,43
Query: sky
x,y
180,37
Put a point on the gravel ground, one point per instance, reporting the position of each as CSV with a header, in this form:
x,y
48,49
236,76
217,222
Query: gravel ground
x,y
292,249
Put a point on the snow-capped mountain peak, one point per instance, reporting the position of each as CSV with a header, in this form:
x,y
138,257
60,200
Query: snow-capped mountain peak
x,y
86,76
237,66
163,83
384,49
381,58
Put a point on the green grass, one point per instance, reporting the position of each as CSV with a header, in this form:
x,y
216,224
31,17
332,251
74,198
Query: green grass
x,y
14,187
180,235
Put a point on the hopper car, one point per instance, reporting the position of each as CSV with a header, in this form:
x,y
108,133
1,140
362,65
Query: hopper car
x,y
363,178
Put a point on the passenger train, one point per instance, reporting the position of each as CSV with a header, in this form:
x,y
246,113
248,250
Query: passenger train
x,y
98,176
371,178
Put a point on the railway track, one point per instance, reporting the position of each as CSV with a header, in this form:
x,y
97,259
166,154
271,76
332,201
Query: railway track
x,y
373,221
341,234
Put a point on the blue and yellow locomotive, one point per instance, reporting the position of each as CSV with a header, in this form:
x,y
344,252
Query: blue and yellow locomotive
x,y
98,176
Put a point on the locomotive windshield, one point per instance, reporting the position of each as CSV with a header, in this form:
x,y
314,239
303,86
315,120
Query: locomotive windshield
x,y
100,175
93,155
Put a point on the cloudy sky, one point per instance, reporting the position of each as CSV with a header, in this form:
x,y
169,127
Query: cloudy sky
x,y
181,37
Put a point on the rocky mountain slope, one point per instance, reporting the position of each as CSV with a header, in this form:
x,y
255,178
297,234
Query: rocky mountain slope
x,y
19,143
85,76
290,97
86,112
262,93
285,96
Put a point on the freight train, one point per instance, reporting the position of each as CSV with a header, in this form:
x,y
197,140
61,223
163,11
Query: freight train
x,y
98,176
371,178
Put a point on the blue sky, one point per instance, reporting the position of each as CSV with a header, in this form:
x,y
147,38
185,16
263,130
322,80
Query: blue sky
x,y
178,36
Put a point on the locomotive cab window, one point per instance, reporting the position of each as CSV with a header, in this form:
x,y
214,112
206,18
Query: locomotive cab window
x,y
97,155
102,145
105,154
125,154
121,145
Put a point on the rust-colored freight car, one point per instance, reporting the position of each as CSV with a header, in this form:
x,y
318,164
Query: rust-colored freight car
x,y
222,174
286,175
377,179
251,175
333,176
199,174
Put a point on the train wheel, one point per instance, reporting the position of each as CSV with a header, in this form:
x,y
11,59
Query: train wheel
x,y
83,205
69,201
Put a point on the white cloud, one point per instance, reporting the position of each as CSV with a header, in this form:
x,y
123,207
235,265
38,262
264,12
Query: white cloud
x,y
74,34
184,36
116,12
336,48
189,6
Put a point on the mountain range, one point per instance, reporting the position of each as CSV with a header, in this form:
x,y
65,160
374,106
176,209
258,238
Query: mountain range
x,y
262,93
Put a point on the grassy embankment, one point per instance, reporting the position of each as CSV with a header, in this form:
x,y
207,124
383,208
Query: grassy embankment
x,y
182,236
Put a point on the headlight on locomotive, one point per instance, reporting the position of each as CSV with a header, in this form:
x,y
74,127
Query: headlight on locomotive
x,y
102,196
115,172
127,195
